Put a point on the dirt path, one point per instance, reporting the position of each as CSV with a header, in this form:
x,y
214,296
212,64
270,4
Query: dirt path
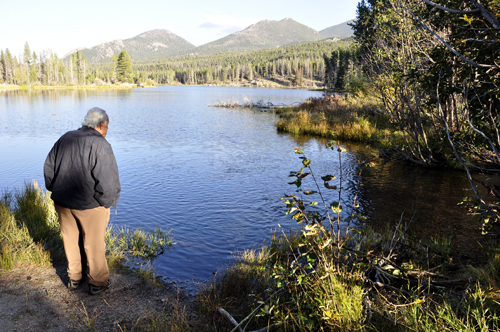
x,y
36,299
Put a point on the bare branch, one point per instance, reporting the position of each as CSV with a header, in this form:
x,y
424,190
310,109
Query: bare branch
x,y
481,40
454,11
486,14
477,130
475,64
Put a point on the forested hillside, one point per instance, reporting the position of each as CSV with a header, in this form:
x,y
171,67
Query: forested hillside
x,y
297,65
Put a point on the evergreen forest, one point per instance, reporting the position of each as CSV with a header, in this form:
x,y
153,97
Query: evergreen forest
x,y
294,66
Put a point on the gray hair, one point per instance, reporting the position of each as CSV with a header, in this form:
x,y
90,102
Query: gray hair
x,y
94,116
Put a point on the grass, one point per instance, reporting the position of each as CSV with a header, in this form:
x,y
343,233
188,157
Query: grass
x,y
29,228
345,118
335,295
30,233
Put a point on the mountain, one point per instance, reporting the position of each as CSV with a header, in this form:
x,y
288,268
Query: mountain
x,y
340,30
150,45
262,35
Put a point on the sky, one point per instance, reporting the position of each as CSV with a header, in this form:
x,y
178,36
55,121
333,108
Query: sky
x,y
62,26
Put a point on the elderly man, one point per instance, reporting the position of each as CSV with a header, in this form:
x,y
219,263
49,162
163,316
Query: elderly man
x,y
82,174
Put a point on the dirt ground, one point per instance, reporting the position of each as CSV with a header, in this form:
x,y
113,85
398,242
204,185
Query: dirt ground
x,y
36,299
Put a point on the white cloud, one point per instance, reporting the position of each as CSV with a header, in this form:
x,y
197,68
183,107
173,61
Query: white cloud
x,y
225,25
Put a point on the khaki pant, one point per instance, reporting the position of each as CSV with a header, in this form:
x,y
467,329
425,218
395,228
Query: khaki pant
x,y
87,229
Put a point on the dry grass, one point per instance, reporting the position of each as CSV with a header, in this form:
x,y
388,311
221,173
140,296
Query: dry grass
x,y
338,117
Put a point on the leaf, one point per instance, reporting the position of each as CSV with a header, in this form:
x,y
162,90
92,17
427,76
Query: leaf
x,y
306,162
330,144
336,207
302,279
328,177
308,192
303,175
330,187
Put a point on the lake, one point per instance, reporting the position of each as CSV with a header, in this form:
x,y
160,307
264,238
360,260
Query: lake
x,y
215,176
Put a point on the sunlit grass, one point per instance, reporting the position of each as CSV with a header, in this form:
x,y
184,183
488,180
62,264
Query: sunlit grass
x,y
329,296
354,119
30,233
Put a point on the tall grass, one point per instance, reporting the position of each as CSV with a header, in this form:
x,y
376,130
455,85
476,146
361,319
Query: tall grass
x,y
29,230
30,233
357,118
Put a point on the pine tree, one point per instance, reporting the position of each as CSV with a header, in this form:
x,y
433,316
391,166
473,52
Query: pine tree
x,y
124,67
34,69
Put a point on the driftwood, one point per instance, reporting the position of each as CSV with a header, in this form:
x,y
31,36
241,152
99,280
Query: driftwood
x,y
248,104
237,325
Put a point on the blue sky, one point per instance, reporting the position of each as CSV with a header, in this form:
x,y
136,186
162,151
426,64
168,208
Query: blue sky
x,y
61,26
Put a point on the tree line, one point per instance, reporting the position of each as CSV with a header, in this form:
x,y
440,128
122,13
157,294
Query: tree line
x,y
293,65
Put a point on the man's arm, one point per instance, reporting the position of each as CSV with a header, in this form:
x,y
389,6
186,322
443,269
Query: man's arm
x,y
49,168
107,181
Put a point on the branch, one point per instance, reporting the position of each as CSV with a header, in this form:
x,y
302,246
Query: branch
x,y
475,64
478,131
454,11
230,318
482,41
486,14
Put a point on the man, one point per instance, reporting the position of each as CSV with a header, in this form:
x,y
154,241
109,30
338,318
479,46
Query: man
x,y
82,174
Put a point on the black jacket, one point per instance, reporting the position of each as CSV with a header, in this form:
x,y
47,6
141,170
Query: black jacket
x,y
81,171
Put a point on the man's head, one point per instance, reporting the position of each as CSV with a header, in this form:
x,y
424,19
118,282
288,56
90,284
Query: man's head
x,y
98,119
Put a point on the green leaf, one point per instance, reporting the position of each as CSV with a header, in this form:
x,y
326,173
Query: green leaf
x,y
336,208
302,279
327,186
299,150
308,192
328,177
306,162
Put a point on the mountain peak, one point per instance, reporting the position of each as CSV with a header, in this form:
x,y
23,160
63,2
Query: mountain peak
x,y
155,33
261,35
149,45
340,30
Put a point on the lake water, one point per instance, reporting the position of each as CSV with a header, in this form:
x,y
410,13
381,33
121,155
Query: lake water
x,y
214,176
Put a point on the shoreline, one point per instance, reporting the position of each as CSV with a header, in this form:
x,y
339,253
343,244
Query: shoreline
x,y
258,84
